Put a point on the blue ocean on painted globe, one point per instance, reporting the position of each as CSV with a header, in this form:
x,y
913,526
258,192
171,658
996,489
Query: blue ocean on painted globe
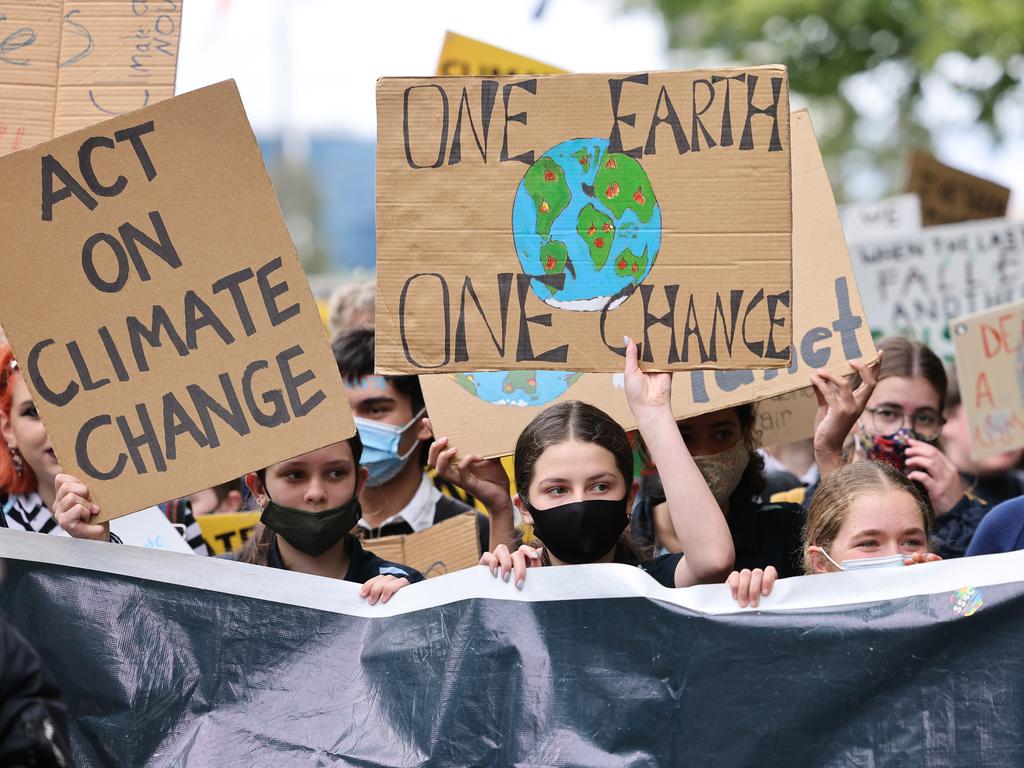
x,y
591,216
520,388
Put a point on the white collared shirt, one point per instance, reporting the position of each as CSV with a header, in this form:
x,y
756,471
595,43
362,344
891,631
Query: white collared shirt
x,y
418,513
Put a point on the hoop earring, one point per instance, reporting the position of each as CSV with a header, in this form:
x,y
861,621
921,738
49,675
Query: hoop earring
x,y
16,460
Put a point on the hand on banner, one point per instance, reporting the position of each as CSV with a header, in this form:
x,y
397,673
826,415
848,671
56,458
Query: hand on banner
x,y
749,586
916,558
73,508
483,478
644,391
839,407
382,588
502,560
930,467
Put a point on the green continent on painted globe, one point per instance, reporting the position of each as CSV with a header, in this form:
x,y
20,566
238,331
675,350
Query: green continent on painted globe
x,y
589,218
517,388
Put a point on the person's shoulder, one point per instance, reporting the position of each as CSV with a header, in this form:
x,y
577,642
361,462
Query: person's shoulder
x,y
662,568
365,565
447,507
1001,530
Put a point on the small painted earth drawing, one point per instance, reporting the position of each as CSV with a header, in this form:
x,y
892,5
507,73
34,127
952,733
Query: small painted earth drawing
x,y
519,388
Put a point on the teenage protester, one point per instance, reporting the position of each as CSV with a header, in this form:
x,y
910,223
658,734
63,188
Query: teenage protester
x,y
995,478
900,424
29,467
399,497
573,469
863,515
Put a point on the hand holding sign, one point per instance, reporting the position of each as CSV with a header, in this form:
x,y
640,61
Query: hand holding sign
x,y
74,509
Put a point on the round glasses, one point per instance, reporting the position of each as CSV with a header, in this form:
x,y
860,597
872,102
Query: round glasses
x,y
926,424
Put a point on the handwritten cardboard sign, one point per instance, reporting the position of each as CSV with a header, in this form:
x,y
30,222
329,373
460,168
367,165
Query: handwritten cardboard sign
x,y
157,307
897,215
990,369
531,222
950,195
66,65
461,56
448,546
483,413
915,284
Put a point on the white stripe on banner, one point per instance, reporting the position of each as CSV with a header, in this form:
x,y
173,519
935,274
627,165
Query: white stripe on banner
x,y
570,582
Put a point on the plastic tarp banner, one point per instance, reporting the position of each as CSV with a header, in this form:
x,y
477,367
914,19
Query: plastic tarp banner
x,y
172,660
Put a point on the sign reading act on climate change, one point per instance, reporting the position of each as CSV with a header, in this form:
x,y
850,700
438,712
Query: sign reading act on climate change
x,y
531,222
156,304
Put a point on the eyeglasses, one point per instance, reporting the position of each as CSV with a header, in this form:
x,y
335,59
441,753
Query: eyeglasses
x,y
925,424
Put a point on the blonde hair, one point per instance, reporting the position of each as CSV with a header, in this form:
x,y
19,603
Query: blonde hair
x,y
352,305
837,493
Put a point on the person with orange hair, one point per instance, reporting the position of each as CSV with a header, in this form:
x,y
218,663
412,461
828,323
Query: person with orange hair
x,y
29,466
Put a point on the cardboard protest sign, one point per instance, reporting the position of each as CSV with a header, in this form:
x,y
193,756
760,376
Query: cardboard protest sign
x,y
462,56
914,285
157,307
448,546
655,205
897,215
227,531
484,413
990,370
66,65
950,195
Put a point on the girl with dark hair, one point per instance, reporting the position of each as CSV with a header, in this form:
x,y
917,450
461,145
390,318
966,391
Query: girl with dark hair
x,y
573,469
898,421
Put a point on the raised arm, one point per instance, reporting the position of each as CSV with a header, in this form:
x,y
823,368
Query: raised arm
x,y
696,517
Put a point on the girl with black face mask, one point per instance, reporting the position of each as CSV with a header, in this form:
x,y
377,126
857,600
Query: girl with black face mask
x,y
310,505
574,475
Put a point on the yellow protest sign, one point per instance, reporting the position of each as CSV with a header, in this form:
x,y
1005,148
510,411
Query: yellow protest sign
x,y
227,531
461,56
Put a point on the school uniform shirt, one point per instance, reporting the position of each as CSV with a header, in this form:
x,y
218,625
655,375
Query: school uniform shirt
x,y
27,512
427,507
363,565
662,568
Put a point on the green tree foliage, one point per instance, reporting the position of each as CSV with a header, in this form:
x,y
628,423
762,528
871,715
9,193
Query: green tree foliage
x,y
875,73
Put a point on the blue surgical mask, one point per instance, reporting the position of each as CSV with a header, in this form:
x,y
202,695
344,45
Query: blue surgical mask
x,y
867,563
380,448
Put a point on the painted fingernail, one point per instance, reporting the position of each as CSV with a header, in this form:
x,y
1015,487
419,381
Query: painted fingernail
x,y
73,525
506,575
625,340
519,584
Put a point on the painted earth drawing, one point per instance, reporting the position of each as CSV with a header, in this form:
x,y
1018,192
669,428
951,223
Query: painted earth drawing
x,y
590,215
518,388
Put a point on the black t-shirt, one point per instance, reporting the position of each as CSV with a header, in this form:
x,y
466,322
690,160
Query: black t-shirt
x,y
363,565
662,568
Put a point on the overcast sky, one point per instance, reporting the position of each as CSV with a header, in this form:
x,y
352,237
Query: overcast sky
x,y
311,65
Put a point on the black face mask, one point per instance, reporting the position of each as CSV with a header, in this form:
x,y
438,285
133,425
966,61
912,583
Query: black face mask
x,y
311,532
581,531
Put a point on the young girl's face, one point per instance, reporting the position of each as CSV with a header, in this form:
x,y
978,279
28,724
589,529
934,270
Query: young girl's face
x,y
575,471
903,401
711,433
25,431
316,481
878,525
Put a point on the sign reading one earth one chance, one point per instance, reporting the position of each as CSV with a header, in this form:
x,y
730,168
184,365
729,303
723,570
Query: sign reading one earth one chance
x,y
533,222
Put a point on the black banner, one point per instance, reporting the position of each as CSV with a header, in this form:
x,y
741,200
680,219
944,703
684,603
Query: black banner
x,y
466,670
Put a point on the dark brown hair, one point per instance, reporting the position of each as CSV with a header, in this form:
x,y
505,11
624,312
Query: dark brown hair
x,y
911,359
574,420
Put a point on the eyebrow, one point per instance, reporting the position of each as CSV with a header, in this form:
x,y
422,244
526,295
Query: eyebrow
x,y
876,532
590,479
376,401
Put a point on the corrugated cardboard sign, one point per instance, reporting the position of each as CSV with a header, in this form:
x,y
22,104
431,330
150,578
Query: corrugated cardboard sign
x,y
462,56
157,307
485,412
67,65
990,370
531,222
949,195
914,285
448,546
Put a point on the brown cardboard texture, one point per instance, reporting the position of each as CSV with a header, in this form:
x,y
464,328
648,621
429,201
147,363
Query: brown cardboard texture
x,y
989,351
484,413
448,546
70,64
949,195
462,56
532,222
157,307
